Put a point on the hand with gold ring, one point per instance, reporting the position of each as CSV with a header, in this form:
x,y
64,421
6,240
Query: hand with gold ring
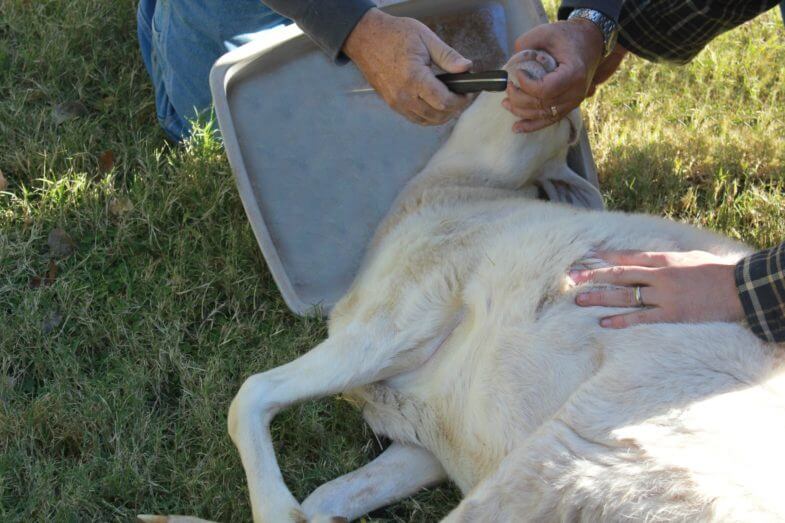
x,y
577,47
663,287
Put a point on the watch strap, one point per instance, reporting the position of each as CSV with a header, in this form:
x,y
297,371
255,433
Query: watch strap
x,y
607,26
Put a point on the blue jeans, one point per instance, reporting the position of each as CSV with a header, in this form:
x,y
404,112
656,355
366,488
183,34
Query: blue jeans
x,y
181,39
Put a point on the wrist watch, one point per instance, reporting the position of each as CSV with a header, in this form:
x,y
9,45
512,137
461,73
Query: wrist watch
x,y
607,26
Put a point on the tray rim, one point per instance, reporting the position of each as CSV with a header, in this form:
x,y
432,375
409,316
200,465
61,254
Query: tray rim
x,y
221,75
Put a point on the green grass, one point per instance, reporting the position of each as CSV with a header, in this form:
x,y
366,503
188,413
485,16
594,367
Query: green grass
x,y
115,378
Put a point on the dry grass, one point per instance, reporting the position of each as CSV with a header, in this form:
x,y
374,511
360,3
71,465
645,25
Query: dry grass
x,y
114,380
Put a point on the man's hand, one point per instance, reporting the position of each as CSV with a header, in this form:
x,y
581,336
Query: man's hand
x,y
675,287
394,54
577,46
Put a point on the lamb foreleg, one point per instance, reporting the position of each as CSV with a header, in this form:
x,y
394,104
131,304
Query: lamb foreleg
x,y
400,471
357,356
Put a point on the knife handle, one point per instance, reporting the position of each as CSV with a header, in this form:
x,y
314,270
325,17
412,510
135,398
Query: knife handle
x,y
463,83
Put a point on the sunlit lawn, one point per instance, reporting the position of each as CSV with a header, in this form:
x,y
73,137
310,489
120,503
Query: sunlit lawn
x,y
117,363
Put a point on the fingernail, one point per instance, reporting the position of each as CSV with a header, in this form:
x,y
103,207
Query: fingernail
x,y
605,322
506,104
581,298
575,275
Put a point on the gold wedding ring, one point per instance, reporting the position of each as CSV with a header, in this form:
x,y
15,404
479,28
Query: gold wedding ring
x,y
637,296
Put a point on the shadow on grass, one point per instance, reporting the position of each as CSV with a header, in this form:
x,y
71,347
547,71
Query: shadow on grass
x,y
726,190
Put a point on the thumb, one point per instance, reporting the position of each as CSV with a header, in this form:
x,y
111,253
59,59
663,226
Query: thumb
x,y
445,56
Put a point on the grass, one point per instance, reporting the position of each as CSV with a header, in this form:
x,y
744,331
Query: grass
x,y
115,377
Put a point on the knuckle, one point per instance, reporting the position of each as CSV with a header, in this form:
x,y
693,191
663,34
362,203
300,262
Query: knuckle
x,y
514,92
396,98
412,76
450,54
412,117
587,275
520,113
535,90
432,119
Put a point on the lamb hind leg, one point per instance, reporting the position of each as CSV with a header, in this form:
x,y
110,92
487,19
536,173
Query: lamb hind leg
x,y
355,357
560,474
400,471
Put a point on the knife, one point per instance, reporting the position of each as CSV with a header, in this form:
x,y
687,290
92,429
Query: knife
x,y
463,83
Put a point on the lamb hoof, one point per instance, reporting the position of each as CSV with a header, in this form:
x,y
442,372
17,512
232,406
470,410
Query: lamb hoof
x,y
533,63
328,519
148,518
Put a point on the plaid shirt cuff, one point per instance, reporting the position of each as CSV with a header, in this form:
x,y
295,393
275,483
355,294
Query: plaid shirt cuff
x,y
760,279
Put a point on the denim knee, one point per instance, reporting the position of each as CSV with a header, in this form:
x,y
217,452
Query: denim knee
x,y
181,39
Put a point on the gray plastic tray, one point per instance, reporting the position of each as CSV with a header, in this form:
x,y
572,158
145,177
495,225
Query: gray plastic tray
x,y
317,167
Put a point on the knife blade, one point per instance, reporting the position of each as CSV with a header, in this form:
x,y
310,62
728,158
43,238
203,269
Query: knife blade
x,y
463,83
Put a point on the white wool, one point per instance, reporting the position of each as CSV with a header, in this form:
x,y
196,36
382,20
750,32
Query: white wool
x,y
535,411
460,339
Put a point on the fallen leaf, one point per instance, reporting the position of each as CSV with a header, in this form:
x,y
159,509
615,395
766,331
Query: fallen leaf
x,y
51,322
120,206
3,182
106,161
61,245
68,111
51,274
107,103
35,95
34,282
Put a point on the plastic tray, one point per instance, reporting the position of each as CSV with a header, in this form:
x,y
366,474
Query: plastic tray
x,y
317,167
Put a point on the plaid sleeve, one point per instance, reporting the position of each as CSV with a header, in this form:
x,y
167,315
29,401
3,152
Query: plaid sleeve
x,y
677,30
760,279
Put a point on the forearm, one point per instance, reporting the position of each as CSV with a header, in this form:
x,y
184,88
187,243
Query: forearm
x,y
760,279
327,22
671,31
